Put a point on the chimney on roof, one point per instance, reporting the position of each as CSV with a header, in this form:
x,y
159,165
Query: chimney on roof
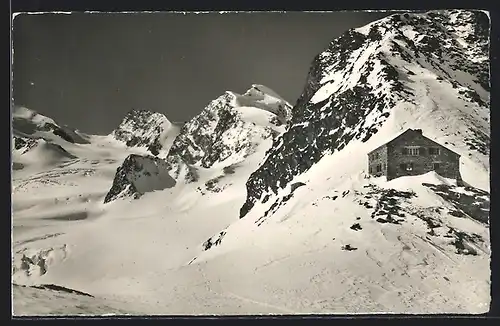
x,y
418,131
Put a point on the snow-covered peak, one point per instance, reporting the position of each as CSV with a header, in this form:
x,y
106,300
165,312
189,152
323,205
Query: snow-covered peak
x,y
259,89
459,38
264,98
143,128
21,112
136,118
27,122
425,71
229,130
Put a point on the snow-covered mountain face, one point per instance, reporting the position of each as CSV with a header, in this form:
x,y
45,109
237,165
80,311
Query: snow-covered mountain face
x,y
137,175
37,150
228,130
429,71
58,301
143,128
41,141
26,122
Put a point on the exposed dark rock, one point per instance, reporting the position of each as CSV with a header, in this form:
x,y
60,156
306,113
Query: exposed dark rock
x,y
468,201
61,133
217,134
24,143
143,128
59,288
214,241
229,169
457,213
462,245
297,185
138,175
348,247
389,219
388,204
213,185
356,227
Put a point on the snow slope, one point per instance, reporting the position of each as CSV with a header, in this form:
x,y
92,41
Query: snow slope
x,y
27,151
42,301
137,245
319,234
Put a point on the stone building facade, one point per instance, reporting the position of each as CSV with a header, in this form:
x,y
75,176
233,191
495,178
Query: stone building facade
x,y
411,153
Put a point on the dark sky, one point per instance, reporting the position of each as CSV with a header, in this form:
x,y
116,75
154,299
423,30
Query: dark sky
x,y
88,70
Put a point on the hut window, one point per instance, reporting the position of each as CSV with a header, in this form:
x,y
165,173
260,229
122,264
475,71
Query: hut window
x,y
434,151
412,151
